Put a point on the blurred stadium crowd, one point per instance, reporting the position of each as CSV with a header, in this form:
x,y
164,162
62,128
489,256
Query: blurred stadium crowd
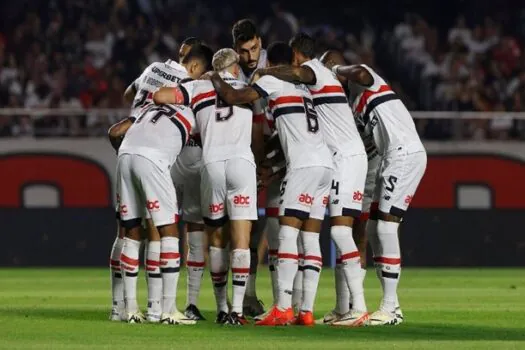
x,y
83,54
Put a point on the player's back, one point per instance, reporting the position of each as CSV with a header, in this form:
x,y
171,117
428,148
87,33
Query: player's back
x,y
335,114
225,130
383,114
156,75
159,133
298,126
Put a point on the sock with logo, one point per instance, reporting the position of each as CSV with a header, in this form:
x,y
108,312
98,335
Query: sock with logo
x,y
240,271
313,263
342,305
351,262
389,262
287,265
195,265
169,268
154,279
117,284
218,261
129,265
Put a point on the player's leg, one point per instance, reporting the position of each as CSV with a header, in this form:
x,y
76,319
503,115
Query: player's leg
x,y
213,196
192,214
297,294
400,177
153,273
310,240
296,201
131,210
161,203
346,203
242,209
118,310
252,306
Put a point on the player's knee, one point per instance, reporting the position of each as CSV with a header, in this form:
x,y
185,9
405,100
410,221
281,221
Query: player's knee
x,y
169,230
312,225
342,221
293,219
192,227
216,222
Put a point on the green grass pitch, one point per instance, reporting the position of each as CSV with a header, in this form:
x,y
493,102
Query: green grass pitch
x,y
444,309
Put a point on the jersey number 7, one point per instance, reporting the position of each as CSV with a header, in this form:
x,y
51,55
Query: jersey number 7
x,y
223,111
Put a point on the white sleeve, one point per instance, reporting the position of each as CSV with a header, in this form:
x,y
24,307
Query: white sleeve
x,y
188,91
268,85
315,68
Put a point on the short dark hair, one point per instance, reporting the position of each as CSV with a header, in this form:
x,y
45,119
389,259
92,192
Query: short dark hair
x,y
200,52
279,53
304,44
192,40
243,31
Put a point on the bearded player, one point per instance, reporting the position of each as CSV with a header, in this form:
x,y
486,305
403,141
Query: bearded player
x,y
247,43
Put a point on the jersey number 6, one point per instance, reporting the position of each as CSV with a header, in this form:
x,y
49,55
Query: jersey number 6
x,y
311,116
223,111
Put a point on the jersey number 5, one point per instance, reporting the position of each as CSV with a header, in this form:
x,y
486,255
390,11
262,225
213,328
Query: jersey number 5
x,y
223,111
311,116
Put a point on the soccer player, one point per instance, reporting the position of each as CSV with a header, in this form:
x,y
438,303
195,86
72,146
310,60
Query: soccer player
x,y
152,143
350,161
403,163
160,74
305,188
247,43
228,178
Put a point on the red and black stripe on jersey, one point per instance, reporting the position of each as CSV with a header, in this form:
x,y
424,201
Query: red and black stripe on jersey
x,y
287,105
203,100
366,105
329,94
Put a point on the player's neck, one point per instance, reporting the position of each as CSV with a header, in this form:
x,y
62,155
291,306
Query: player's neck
x,y
248,71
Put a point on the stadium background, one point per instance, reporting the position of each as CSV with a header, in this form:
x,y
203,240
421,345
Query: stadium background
x,y
65,64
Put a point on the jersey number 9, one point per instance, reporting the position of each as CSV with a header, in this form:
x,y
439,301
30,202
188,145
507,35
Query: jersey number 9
x,y
311,116
223,111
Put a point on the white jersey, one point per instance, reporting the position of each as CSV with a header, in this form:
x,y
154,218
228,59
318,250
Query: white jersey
x,y
297,123
225,130
335,115
158,74
384,116
159,134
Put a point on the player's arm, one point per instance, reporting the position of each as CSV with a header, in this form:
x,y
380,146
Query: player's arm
x,y
233,96
130,93
172,95
355,73
302,74
118,130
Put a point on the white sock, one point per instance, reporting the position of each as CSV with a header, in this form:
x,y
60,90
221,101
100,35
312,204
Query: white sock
x,y
195,266
351,261
170,268
129,265
389,262
218,261
117,283
250,283
371,230
342,305
312,269
154,278
287,265
272,234
297,295
240,272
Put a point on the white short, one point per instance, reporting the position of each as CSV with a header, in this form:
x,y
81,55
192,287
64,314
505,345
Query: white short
x,y
187,181
370,183
143,187
304,193
228,190
398,179
273,198
347,191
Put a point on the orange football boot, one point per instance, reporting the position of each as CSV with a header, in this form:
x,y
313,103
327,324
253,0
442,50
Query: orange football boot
x,y
305,318
277,317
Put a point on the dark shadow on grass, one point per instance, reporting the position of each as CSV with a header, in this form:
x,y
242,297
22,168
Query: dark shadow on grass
x,y
406,331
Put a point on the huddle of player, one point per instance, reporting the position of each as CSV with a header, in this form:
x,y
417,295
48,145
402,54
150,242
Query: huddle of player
x,y
209,139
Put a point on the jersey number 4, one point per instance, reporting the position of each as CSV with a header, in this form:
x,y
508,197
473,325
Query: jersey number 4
x,y
311,116
223,111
